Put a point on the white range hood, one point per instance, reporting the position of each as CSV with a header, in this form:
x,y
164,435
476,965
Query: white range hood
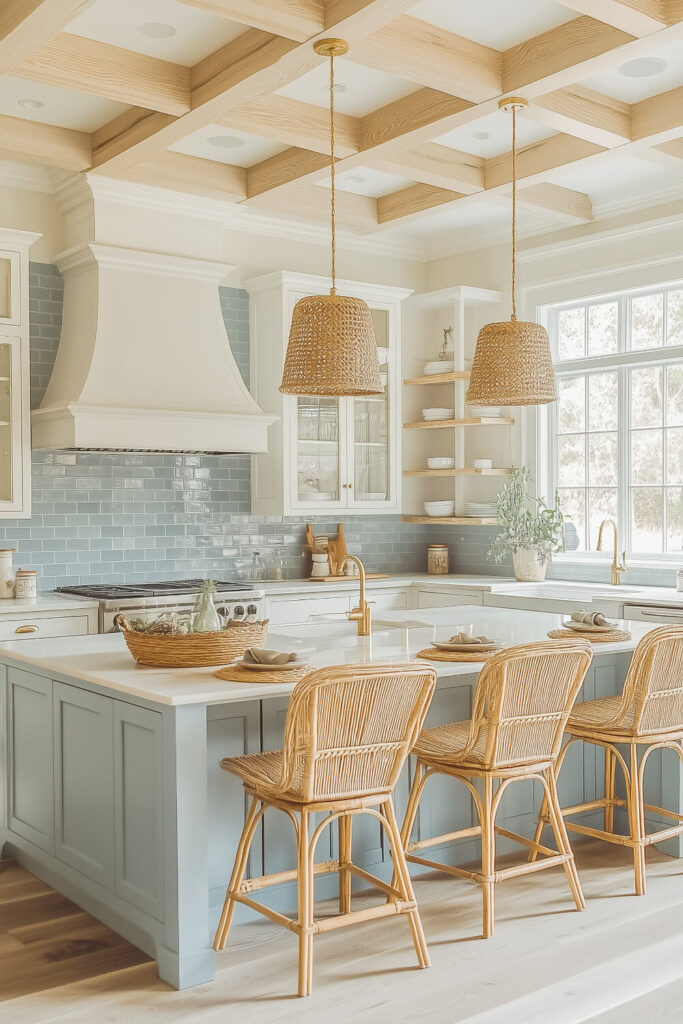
x,y
144,362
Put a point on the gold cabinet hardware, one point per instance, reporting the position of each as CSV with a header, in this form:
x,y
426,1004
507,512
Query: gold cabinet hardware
x,y
27,629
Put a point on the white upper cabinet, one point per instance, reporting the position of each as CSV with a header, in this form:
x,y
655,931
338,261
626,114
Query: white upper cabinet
x,y
337,455
15,439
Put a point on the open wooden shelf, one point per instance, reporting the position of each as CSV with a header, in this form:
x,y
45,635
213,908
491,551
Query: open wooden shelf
x,y
469,421
438,378
466,471
452,520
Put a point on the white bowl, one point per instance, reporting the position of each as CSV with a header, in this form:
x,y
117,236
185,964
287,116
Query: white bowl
x,y
439,508
482,463
438,414
440,462
484,410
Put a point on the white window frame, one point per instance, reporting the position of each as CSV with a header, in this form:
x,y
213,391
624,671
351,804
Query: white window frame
x,y
621,361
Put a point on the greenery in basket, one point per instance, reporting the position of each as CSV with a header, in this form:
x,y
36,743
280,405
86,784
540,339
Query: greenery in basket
x,y
525,522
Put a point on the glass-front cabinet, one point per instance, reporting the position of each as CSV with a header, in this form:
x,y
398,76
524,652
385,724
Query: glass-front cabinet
x,y
326,454
15,445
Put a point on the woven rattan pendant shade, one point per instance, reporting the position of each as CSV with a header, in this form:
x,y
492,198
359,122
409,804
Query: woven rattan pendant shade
x,y
512,363
332,348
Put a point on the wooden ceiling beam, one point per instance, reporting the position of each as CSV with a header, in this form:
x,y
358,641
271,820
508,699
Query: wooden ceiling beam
x,y
296,124
436,165
74,62
659,118
293,19
547,155
181,173
414,199
566,203
637,17
25,25
584,113
312,202
44,144
433,57
563,56
251,66
300,165
418,117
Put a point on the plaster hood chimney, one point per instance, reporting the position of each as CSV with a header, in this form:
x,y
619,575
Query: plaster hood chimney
x,y
144,362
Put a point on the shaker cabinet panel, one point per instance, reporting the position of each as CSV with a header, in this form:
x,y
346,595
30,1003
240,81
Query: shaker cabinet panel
x,y
31,792
84,783
138,795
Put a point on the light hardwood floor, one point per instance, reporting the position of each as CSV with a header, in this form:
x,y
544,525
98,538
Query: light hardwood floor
x,y
618,962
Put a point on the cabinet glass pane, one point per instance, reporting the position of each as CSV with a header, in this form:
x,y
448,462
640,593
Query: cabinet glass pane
x,y
370,427
5,288
318,449
5,422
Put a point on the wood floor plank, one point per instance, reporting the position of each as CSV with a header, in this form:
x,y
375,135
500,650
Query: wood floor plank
x,y
368,975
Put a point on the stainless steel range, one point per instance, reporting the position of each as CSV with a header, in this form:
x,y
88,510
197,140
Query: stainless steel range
x,y
234,601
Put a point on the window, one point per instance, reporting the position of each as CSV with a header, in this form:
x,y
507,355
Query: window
x,y
616,447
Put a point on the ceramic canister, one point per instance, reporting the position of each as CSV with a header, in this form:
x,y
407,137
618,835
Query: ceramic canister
x,y
6,574
26,585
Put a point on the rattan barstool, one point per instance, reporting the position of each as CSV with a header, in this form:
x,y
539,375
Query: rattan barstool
x,y
348,732
647,716
521,704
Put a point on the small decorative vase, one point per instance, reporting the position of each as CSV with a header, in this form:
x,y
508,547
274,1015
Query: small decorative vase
x,y
6,573
206,618
528,567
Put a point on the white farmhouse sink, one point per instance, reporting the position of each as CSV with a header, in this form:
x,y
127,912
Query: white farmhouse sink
x,y
564,589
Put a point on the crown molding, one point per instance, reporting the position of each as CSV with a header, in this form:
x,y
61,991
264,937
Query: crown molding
x,y
30,177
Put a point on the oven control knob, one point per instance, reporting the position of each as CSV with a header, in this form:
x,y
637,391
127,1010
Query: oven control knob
x,y
238,611
252,609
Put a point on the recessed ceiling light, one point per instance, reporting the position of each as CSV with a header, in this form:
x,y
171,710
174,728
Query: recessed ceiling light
x,y
31,104
225,141
643,67
156,30
338,87
481,135
355,179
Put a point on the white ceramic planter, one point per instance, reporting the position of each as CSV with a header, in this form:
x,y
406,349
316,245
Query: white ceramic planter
x,y
528,567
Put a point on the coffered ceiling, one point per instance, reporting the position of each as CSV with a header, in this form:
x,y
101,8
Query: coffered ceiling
x,y
227,99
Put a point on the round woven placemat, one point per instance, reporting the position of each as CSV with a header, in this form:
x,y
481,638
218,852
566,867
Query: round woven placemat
x,y
235,674
595,638
433,654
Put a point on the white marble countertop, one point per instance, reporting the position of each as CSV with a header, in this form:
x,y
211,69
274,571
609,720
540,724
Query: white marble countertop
x,y
104,660
48,602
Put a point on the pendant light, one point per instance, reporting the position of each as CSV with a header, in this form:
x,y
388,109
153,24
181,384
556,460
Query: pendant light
x,y
332,348
512,364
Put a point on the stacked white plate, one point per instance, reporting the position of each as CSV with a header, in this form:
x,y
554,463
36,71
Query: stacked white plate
x,y
480,509
439,366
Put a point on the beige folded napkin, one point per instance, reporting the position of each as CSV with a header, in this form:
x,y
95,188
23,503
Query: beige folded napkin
x,y
465,638
259,656
591,618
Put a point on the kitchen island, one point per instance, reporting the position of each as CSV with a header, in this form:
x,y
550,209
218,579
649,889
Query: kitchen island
x,y
112,791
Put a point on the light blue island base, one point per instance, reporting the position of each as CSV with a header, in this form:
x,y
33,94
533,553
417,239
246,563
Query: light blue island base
x,y
112,791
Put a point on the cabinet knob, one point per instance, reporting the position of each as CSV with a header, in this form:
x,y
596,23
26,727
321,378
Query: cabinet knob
x,y
27,629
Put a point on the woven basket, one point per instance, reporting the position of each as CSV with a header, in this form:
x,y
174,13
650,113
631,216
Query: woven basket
x,y
195,650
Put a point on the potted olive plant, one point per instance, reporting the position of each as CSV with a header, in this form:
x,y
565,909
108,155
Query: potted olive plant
x,y
529,530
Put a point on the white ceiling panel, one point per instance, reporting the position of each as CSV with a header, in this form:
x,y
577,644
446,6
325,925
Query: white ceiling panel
x,y
118,22
229,146
613,174
360,90
492,135
61,107
630,90
496,23
366,181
